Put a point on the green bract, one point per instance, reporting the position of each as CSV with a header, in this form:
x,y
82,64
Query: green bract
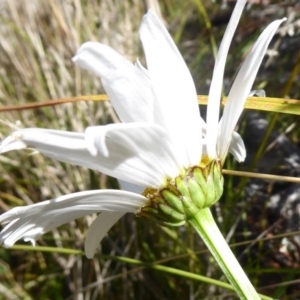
x,y
183,197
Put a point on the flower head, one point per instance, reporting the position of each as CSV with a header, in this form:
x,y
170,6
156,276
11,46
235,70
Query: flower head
x,y
162,146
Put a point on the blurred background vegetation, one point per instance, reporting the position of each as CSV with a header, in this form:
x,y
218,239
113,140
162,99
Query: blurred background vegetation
x,y
38,38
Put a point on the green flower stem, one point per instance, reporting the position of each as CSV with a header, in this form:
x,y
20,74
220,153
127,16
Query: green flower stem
x,y
207,228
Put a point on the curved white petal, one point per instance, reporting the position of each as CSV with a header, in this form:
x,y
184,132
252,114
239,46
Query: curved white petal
x,y
30,222
64,146
139,153
134,150
242,85
128,86
60,145
174,88
237,147
98,230
214,96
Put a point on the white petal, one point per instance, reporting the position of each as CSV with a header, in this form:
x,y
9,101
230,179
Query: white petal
x,y
237,147
60,145
174,88
128,86
139,153
98,230
214,96
242,86
30,222
64,146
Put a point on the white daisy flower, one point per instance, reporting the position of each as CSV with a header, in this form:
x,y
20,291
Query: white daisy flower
x,y
162,151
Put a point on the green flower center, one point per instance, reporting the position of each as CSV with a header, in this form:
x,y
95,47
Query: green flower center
x,y
182,197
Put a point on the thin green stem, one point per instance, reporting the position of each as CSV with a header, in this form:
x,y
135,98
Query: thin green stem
x,y
207,228
205,17
154,265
